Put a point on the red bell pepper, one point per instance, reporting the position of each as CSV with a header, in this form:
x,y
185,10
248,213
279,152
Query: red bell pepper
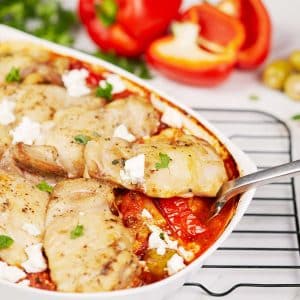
x,y
127,27
256,21
202,49
182,221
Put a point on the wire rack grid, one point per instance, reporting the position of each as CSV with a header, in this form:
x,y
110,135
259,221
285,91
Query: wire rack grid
x,y
261,258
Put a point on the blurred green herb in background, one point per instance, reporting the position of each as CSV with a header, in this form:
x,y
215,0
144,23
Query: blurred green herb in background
x,y
136,66
50,21
45,19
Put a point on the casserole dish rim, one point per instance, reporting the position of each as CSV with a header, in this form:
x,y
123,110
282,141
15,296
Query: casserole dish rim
x,y
243,163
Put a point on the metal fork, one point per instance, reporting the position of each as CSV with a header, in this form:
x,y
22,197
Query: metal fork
x,y
237,186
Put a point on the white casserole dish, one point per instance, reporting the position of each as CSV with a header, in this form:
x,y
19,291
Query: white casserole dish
x,y
161,289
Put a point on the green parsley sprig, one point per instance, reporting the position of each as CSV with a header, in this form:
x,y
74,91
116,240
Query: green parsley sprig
x,y
13,75
105,91
45,187
5,241
82,139
164,161
77,232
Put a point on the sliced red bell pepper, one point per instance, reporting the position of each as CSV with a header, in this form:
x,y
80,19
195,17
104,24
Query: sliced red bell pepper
x,y
126,27
202,49
182,221
257,23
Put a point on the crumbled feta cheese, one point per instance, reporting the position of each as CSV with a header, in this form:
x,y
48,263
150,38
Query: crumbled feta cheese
x,y
36,262
187,255
122,132
7,108
31,229
116,82
160,240
75,82
175,264
11,274
24,282
172,117
133,171
146,214
27,131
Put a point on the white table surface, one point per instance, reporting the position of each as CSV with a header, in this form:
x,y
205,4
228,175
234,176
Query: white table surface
x,y
234,93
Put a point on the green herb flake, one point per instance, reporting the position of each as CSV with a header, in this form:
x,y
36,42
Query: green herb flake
x,y
5,242
105,92
77,232
107,12
296,117
82,139
253,97
164,161
45,187
13,75
162,236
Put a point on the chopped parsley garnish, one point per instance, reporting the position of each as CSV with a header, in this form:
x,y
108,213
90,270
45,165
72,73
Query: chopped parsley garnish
x,y
254,97
45,187
107,12
164,161
296,117
82,139
77,232
105,92
13,75
162,236
5,241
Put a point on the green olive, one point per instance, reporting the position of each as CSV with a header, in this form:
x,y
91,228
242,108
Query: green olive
x,y
292,86
294,60
157,263
276,73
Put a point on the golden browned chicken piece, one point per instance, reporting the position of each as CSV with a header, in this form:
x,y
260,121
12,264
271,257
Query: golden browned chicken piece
x,y
34,63
5,139
59,152
88,248
22,216
134,112
40,102
170,164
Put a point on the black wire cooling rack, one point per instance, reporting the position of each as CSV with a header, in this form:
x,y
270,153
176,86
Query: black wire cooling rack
x,y
264,250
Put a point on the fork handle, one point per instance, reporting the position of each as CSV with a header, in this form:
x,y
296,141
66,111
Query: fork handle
x,y
242,184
